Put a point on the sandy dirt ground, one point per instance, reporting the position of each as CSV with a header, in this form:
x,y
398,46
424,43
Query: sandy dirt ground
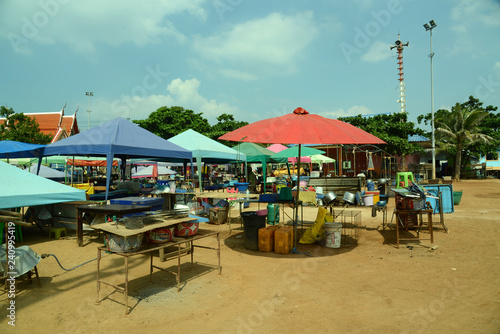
x,y
371,287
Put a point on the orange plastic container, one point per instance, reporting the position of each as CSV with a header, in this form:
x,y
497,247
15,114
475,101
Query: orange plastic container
x,y
283,240
266,238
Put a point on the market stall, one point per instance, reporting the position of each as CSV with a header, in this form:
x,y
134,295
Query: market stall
x,y
118,138
127,241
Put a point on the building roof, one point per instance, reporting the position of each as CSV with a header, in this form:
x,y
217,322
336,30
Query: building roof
x,y
417,139
55,124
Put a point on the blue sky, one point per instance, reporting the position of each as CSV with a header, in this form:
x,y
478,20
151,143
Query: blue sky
x,y
253,59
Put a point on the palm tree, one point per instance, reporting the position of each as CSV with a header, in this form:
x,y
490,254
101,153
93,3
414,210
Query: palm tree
x,y
459,130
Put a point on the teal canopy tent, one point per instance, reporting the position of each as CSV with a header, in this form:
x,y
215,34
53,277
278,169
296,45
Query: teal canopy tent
x,y
294,151
21,188
257,153
206,150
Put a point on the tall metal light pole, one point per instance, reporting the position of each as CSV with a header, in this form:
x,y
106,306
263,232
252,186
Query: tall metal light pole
x,y
428,27
89,94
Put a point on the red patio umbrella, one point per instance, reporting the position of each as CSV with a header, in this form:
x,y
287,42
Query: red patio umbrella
x,y
301,127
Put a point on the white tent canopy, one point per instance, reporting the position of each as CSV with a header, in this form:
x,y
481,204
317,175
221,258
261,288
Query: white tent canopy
x,y
149,171
321,159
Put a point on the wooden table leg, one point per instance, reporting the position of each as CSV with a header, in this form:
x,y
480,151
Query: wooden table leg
x,y
179,268
151,268
37,277
397,230
126,285
218,252
79,228
431,229
191,245
97,302
229,217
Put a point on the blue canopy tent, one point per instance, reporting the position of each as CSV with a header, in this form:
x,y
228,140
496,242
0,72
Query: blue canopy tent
x,y
118,138
10,149
21,188
206,149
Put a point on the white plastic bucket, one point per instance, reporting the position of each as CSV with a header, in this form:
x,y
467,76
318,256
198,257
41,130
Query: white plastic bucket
x,y
333,233
368,200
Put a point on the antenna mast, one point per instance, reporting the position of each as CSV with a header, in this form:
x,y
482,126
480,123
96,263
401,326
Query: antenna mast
x,y
401,87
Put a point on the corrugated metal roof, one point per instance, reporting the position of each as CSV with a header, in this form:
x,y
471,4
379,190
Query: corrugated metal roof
x,y
417,138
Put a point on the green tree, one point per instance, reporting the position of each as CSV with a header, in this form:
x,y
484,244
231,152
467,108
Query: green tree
x,y
394,129
225,124
489,125
167,122
460,131
22,128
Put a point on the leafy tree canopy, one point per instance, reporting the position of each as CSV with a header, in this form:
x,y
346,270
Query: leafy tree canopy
x,y
22,128
167,122
394,129
460,132
225,124
489,125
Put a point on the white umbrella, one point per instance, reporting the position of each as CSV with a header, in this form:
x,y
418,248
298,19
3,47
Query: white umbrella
x,y
321,159
150,172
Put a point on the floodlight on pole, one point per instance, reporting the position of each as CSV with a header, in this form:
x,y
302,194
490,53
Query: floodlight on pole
x,y
89,94
428,27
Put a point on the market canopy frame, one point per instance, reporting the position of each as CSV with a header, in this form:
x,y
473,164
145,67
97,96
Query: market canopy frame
x,y
118,138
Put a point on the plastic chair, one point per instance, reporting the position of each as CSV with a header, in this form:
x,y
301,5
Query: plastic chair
x,y
57,232
404,177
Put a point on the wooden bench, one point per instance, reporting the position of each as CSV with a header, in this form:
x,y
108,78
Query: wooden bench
x,y
339,185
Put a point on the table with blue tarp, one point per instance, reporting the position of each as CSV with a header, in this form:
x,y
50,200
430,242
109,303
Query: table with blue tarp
x,y
409,211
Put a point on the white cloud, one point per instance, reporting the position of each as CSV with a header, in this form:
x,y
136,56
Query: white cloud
x,y
178,93
469,13
273,44
236,74
82,24
378,51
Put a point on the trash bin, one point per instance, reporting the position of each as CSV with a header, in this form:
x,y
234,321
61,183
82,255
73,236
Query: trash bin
x,y
457,197
251,225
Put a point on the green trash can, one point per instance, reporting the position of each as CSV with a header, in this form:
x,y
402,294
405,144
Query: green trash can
x,y
457,197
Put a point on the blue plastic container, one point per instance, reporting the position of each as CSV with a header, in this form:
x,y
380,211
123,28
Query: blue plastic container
x,y
269,198
242,186
156,203
370,186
